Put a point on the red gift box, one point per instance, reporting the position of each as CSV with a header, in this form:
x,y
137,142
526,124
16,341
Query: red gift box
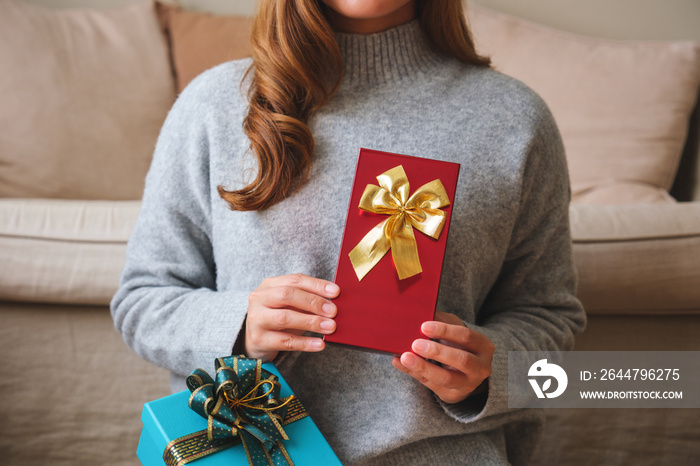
x,y
380,311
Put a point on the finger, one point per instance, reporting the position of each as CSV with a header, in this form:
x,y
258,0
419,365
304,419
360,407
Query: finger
x,y
459,359
286,319
446,395
448,318
469,339
292,297
305,282
431,375
449,395
282,341
397,363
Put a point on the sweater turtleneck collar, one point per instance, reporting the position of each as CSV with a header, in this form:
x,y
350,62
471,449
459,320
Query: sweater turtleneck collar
x,y
390,56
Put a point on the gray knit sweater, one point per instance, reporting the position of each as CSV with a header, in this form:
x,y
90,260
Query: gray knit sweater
x,y
508,272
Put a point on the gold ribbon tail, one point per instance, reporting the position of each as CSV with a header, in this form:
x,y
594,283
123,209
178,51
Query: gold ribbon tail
x,y
370,250
404,250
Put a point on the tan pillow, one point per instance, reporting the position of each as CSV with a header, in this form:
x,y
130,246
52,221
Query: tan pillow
x,y
622,107
84,93
199,41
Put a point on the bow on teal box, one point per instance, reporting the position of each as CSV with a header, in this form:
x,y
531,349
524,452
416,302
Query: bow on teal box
x,y
247,414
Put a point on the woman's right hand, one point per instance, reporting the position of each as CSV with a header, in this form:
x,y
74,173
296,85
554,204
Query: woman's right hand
x,y
282,308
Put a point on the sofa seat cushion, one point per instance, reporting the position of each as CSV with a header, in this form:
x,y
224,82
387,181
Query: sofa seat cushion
x,y
638,258
63,251
623,192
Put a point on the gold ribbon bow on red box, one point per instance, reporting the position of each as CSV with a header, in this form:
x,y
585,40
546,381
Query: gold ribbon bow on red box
x,y
420,211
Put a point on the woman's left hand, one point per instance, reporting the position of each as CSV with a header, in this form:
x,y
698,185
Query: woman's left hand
x,y
465,356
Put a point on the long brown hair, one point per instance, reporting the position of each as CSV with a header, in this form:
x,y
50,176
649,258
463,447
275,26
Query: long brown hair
x,y
297,67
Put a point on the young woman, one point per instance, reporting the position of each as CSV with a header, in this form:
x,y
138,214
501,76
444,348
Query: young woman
x,y
243,213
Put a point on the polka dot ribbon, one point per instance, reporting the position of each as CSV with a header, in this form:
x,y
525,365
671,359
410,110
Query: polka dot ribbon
x,y
241,406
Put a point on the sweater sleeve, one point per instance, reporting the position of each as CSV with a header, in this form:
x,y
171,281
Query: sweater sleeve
x,y
532,306
167,307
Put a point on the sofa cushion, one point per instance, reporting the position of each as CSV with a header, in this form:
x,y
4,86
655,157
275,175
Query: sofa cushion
x,y
63,251
199,41
638,258
623,192
622,107
84,101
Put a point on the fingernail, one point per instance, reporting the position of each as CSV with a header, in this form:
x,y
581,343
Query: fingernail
x,y
327,325
408,360
316,343
332,289
420,345
328,309
429,327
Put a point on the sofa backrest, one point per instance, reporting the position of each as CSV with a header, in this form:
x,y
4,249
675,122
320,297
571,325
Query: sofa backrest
x,y
623,19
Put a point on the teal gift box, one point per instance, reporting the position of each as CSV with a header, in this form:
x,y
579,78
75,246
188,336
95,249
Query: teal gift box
x,y
170,418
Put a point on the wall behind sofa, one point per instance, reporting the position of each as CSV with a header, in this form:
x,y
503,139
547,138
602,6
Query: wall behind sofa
x,y
619,19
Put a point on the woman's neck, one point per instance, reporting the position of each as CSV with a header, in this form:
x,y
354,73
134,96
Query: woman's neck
x,y
372,23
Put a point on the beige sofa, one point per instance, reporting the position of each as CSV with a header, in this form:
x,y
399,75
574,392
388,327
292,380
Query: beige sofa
x,y
84,93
